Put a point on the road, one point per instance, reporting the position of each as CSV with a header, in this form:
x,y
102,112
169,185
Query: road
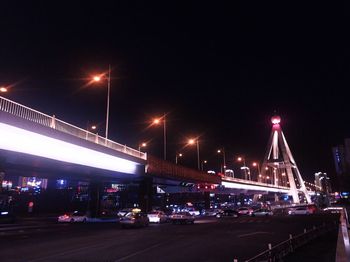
x,y
209,239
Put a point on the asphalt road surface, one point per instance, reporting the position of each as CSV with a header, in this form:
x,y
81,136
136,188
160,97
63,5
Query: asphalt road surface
x,y
209,239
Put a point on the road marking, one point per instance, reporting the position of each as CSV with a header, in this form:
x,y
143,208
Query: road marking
x,y
255,233
139,252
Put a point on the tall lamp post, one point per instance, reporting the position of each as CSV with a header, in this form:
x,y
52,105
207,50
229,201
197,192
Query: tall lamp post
x,y
224,159
157,121
192,142
143,144
98,78
240,159
177,156
203,162
256,164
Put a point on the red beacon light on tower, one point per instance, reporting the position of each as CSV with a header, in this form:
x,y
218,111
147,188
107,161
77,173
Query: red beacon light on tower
x,y
275,120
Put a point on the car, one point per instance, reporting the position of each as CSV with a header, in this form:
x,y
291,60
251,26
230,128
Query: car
x,y
134,219
157,217
123,212
261,212
192,211
312,208
244,210
76,216
299,211
183,217
227,213
211,212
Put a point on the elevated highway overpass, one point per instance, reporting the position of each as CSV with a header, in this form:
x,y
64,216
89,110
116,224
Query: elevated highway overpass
x,y
35,143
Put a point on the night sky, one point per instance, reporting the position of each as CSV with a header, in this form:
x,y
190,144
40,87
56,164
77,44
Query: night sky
x,y
218,70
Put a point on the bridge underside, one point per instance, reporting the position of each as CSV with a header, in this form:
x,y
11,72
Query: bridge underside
x,y
20,164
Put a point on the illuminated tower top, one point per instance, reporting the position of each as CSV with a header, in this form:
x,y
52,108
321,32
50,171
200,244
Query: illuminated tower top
x,y
275,120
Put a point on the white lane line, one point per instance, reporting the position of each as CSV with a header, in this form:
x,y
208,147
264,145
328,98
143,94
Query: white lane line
x,y
254,233
139,252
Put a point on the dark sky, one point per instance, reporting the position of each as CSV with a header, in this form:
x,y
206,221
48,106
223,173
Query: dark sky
x,y
218,70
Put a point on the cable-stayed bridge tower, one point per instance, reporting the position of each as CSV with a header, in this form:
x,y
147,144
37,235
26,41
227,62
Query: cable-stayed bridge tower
x,y
280,164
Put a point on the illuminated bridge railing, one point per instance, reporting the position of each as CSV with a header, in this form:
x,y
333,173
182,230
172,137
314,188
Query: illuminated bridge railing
x,y
35,116
250,182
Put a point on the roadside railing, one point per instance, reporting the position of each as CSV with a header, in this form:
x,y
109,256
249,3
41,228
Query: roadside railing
x,y
35,116
277,252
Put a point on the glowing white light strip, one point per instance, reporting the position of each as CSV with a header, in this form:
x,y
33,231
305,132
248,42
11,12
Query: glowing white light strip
x,y
253,187
23,141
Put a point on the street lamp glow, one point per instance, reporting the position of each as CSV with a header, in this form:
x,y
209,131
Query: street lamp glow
x,y
192,142
239,159
143,144
96,78
157,121
93,127
3,89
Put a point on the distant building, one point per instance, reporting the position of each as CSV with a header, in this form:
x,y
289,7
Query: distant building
x,y
341,156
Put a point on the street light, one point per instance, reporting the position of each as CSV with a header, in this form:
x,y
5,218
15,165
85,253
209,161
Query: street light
x,y
143,144
192,142
203,162
224,158
242,159
177,156
98,78
3,89
256,164
157,121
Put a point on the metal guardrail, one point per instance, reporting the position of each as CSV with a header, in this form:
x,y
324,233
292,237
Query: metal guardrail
x,y
288,246
35,116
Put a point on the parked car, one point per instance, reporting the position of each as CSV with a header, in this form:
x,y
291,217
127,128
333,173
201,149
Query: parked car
x,y
157,217
244,210
299,211
261,212
227,213
182,218
76,216
134,219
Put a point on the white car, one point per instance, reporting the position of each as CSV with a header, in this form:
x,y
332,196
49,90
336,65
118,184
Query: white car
x,y
244,210
73,217
157,217
299,211
182,218
192,211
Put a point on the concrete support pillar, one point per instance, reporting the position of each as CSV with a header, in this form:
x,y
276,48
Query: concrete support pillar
x,y
95,194
146,194
206,199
